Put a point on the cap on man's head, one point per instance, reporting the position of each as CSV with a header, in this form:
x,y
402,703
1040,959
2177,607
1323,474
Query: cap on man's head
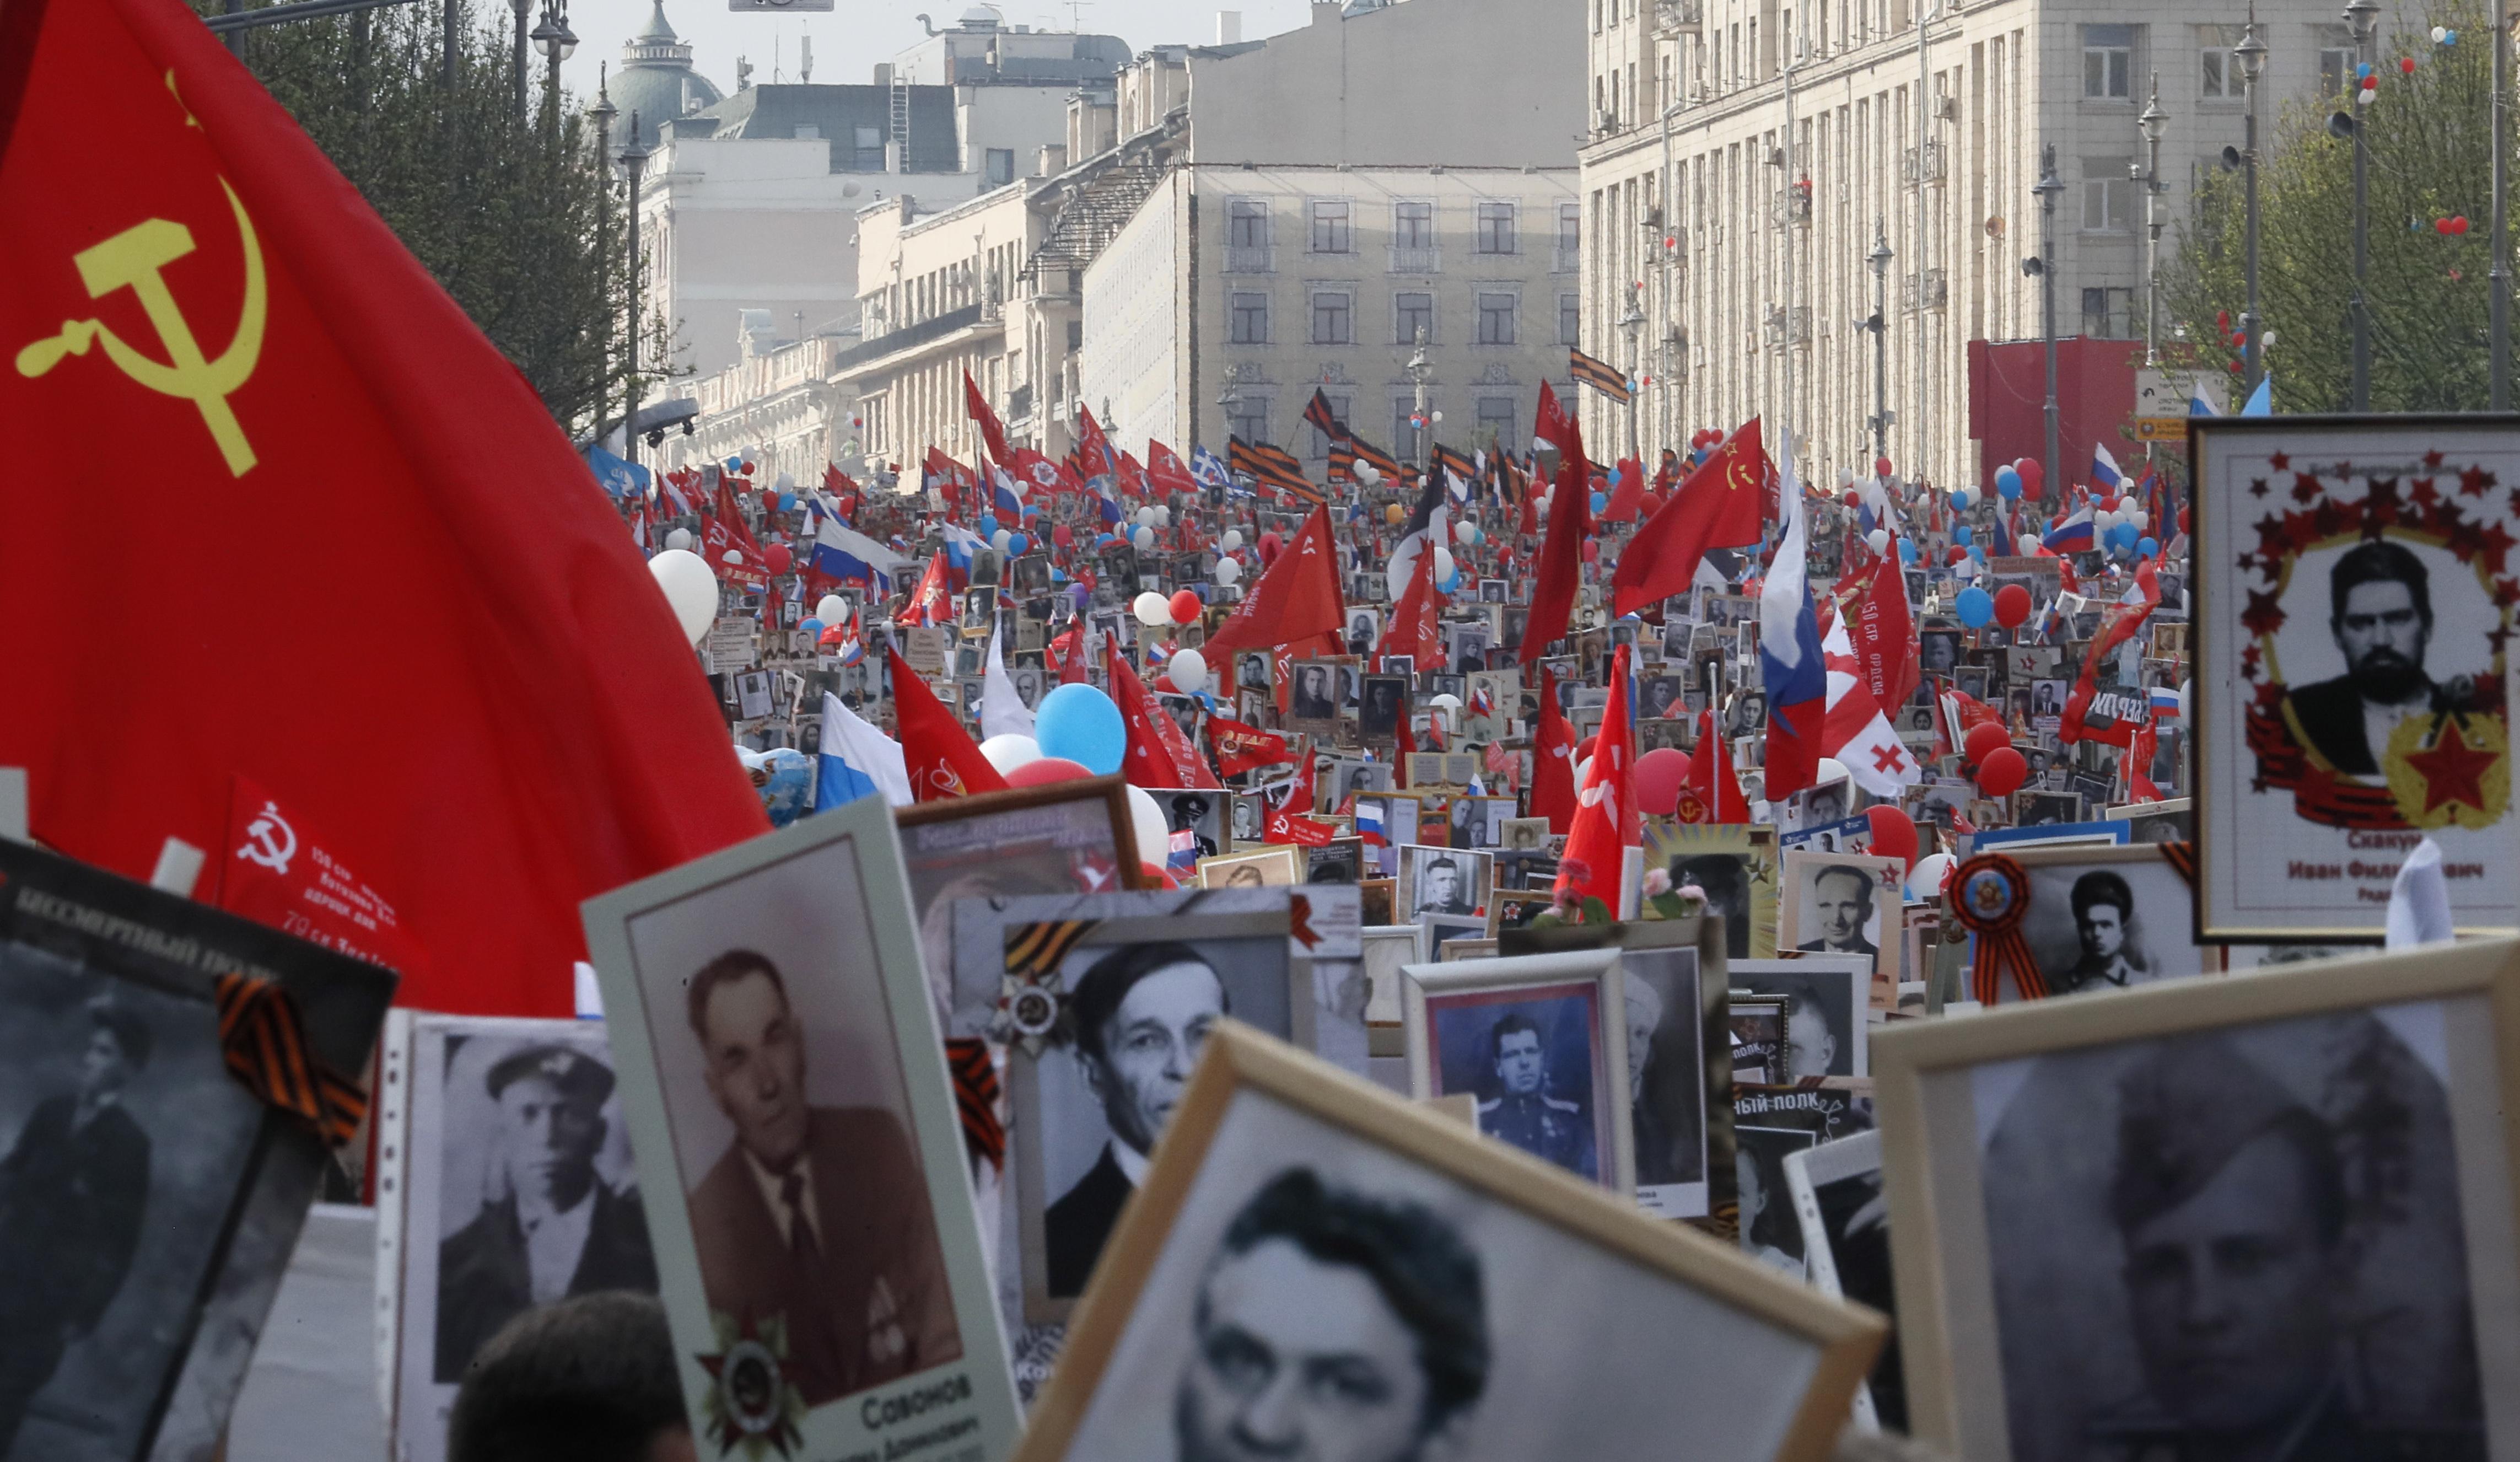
x,y
2184,1111
571,1072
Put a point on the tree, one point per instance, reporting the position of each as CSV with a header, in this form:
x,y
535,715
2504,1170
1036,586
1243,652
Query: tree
x,y
506,212
2430,160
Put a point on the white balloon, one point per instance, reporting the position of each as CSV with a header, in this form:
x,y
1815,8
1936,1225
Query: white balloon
x,y
1232,540
690,588
1466,532
1367,473
1878,539
679,538
1153,610
1189,670
1147,820
1830,770
1583,773
1443,564
1007,751
1001,538
786,482
1145,537
1925,880
831,609
1971,497
1448,701
1229,572
1163,518
2139,517
1146,517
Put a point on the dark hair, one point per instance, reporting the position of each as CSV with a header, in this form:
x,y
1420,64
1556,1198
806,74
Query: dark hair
x,y
1513,1025
1446,864
1416,1257
1098,993
129,1027
2102,887
2377,562
726,968
589,1379
1862,877
1720,875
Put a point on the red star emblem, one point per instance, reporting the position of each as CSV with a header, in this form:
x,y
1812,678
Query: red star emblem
x,y
2423,493
2453,770
2280,461
2433,458
2474,481
2265,614
2305,487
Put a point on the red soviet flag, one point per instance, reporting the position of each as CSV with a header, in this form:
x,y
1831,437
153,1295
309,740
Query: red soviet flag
x,y
1561,553
1606,824
1148,760
382,586
1297,598
1716,506
940,755
1553,760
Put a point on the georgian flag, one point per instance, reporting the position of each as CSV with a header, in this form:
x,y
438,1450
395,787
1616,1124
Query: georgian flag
x,y
1854,730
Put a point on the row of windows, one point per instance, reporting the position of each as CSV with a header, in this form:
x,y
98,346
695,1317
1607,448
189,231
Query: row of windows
x,y
2110,61
1496,318
1250,418
1332,223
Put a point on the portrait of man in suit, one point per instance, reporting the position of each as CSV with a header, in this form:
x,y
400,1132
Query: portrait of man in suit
x,y
1142,1013
2381,614
556,1229
1312,701
73,1197
814,1215
1840,905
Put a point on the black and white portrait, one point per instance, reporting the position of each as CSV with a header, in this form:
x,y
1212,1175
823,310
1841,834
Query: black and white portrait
x,y
1837,1190
1734,868
1826,997
2107,918
1363,630
1663,696
1769,1232
1251,671
1844,903
1533,1058
1666,1054
1028,686
1184,710
1192,814
1386,701
1443,880
1315,696
1938,651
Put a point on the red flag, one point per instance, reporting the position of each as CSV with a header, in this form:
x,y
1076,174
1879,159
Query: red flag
x,y
1714,790
1553,760
1884,631
1606,824
1240,748
2137,763
193,285
1296,597
1411,630
1286,820
931,601
942,760
1149,761
1627,492
993,432
2110,718
725,534
1561,555
1716,507
1165,470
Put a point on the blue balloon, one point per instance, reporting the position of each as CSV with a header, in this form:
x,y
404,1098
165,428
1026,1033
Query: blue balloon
x,y
735,464
2148,547
1057,575
1960,504
2008,482
813,630
988,524
1963,533
1450,581
1017,543
1101,539
1975,607
786,502
1907,550
1600,500
1079,723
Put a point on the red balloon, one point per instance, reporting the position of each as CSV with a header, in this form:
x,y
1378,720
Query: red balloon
x,y
1041,771
1958,555
1984,740
1881,467
778,557
1659,775
1591,550
1894,833
2000,774
1269,546
1186,606
2011,605
2032,475
1063,535
1850,497
2407,63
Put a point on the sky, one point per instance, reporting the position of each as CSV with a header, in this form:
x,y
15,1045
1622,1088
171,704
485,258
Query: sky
x,y
850,40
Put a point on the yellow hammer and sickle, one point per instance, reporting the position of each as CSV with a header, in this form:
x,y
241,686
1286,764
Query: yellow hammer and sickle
x,y
135,260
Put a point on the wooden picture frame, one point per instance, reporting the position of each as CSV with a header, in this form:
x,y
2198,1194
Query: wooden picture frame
x,y
1973,1123
1257,1106
1735,865
1444,1002
2151,939
1381,894
1277,866
1387,950
1801,924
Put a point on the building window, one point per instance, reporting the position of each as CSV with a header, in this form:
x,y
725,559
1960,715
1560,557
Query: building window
x,y
2218,77
1570,319
2108,313
869,150
1330,226
1246,223
1333,317
1409,314
1412,225
1497,311
1320,439
1001,166
1495,423
2107,192
2108,61
1248,418
1570,236
1250,324
2336,62
1495,228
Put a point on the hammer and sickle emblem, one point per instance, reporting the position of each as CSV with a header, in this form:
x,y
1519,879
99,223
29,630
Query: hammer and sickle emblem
x,y
269,840
136,260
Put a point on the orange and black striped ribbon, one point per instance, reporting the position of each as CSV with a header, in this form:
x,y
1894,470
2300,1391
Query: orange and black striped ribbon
x,y
2181,857
1035,950
976,1097
265,1044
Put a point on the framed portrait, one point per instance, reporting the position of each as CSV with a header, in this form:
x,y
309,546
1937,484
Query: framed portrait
x,y
1195,821
1378,894
1251,671
1822,807
2350,681
1437,769
1499,1306
1827,998
1114,996
1846,834
1446,881
499,1127
1386,705
1364,629
1734,866
1541,1040
2167,821
769,1014
1512,908
2325,1156
2054,835
2097,918
152,1199
1769,1231
1525,834
1845,1217
1758,1037
1067,837
1276,867
1341,860
1672,1001
1458,938
1313,695
1387,949
1483,819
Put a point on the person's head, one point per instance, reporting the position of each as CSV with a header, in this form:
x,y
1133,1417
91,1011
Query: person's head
x,y
2102,906
2231,1202
1142,1014
1242,876
1644,1016
1333,1327
1316,682
592,1379
1523,835
1443,880
1187,811
118,1041
1827,804
1842,903
1938,652
549,1102
755,1053
1810,1036
2381,614
1513,1046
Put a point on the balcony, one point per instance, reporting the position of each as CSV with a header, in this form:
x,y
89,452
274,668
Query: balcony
x,y
1933,288
1249,259
1679,17
1791,205
1408,261
1931,168
1780,321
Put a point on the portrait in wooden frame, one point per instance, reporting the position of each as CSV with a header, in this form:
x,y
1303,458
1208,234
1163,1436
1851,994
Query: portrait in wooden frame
x,y
1380,897
2106,916
1823,910
1734,865
1624,1330
2056,1166
1281,865
1541,1040
1512,908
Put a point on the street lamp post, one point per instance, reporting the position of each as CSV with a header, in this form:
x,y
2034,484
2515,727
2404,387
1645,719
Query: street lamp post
x,y
601,113
2153,124
2363,21
524,9
635,159
2251,54
2047,189
1420,370
1878,260
1634,323
558,43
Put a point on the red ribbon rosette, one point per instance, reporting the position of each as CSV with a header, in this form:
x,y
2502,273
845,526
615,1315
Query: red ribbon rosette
x,y
1990,892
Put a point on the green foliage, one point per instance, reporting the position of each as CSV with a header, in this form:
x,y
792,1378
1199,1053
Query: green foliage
x,y
508,212
2430,158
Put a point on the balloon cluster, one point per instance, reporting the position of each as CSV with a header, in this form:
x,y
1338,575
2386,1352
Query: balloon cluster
x,y
2451,226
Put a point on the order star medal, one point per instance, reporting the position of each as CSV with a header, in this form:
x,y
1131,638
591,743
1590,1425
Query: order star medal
x,y
2450,770
751,1406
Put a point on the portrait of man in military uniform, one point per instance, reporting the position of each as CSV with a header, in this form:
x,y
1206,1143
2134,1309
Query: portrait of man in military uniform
x,y
1524,1112
2103,914
553,1227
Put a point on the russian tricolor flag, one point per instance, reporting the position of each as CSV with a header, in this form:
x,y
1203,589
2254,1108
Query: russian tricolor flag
x,y
1789,657
2073,535
847,555
1368,824
2164,703
2104,469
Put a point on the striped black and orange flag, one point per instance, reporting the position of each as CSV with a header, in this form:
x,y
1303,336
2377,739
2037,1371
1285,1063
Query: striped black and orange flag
x,y
1271,467
1599,375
